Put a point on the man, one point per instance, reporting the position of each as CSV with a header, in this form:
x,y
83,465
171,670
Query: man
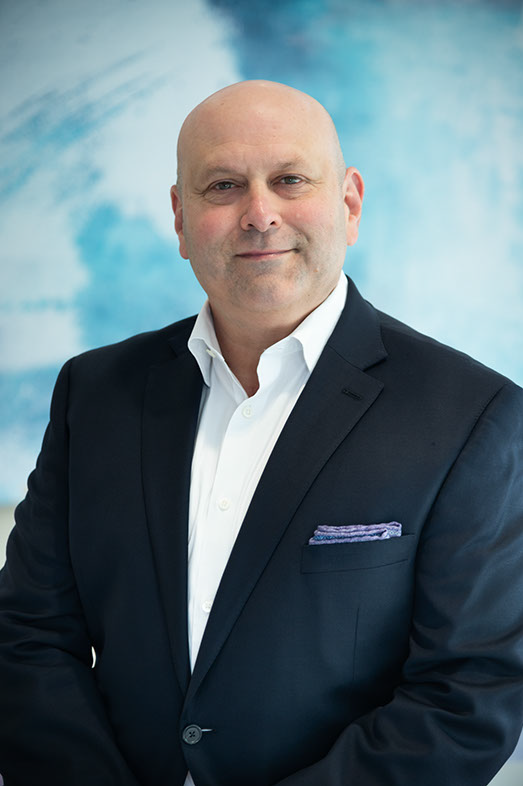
x,y
172,522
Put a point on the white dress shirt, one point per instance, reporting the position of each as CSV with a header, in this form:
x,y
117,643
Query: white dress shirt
x,y
235,437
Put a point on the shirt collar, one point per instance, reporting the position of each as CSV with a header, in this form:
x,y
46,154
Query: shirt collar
x,y
315,329
312,334
203,342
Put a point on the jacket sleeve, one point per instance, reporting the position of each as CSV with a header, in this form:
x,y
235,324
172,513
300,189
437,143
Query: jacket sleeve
x,y
457,714
53,725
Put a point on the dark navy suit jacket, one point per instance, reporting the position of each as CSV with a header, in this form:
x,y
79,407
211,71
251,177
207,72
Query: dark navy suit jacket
x,y
372,664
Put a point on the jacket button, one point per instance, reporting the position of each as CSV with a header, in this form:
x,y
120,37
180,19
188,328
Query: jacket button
x,y
192,734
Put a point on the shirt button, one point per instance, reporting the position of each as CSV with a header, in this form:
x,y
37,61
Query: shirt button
x,y
211,352
207,605
224,504
247,411
192,734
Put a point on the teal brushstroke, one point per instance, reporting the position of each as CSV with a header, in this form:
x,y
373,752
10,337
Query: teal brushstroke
x,y
118,252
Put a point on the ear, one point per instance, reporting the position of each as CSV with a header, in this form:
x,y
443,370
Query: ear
x,y
353,190
176,202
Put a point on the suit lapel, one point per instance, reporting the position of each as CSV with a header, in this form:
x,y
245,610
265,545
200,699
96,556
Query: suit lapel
x,y
170,415
336,396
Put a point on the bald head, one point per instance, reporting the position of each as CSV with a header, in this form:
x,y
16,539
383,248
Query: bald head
x,y
259,109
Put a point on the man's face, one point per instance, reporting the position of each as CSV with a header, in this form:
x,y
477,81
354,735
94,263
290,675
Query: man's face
x,y
264,211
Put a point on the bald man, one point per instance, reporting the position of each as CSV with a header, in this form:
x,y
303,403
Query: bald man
x,y
291,529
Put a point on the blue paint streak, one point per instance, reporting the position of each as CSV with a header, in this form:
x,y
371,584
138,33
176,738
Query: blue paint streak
x,y
49,124
137,281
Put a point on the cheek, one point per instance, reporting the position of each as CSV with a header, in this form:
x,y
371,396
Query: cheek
x,y
207,231
207,238
316,218
324,226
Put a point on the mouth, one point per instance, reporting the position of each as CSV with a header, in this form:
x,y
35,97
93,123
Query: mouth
x,y
266,253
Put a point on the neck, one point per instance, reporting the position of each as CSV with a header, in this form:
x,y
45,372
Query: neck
x,y
243,334
243,341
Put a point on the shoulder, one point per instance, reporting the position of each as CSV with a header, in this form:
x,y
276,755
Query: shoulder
x,y
414,347
152,347
404,358
451,379
126,364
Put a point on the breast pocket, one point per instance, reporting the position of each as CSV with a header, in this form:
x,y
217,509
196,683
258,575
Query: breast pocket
x,y
356,556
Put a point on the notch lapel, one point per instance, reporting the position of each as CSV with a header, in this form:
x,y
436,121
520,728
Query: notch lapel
x,y
170,415
336,396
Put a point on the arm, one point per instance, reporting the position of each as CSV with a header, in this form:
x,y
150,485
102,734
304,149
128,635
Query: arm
x,y
457,714
53,725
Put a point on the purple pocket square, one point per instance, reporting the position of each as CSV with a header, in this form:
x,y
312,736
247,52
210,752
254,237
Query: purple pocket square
x,y
354,533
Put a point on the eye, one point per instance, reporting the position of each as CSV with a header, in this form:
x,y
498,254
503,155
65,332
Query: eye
x,y
222,191
291,180
224,185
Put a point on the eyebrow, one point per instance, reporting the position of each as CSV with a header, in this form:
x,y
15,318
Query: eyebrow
x,y
221,169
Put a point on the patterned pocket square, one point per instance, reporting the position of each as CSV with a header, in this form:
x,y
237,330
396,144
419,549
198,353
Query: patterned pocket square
x,y
353,533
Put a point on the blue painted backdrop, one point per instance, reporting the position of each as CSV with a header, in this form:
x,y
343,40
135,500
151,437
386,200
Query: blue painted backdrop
x,y
428,99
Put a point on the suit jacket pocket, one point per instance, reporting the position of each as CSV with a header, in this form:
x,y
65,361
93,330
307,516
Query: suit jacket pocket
x,y
356,556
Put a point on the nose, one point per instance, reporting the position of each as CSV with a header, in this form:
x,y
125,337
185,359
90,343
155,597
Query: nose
x,y
260,210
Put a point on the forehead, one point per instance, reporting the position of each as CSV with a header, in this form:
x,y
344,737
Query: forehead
x,y
255,137
249,160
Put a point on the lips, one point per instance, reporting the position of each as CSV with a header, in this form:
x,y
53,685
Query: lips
x,y
264,253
